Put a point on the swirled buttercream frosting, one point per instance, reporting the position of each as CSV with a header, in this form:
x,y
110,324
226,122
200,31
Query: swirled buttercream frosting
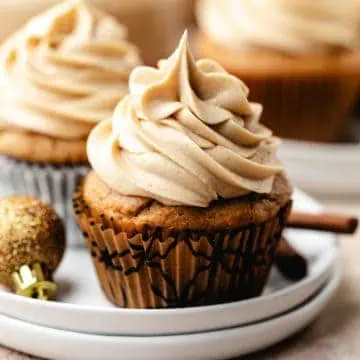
x,y
293,26
64,71
185,135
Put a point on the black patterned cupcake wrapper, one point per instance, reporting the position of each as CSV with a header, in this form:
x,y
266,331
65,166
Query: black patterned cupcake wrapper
x,y
54,185
158,268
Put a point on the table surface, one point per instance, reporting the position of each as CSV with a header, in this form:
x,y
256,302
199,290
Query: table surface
x,y
335,334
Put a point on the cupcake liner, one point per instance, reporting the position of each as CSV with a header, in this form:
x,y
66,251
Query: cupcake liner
x,y
52,184
158,268
310,108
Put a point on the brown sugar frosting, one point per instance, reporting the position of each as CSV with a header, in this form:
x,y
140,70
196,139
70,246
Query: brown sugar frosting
x,y
186,135
291,26
64,71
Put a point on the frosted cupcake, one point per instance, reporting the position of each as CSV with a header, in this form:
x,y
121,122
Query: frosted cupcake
x,y
186,201
300,59
63,72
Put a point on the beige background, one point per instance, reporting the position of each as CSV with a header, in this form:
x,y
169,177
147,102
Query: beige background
x,y
335,335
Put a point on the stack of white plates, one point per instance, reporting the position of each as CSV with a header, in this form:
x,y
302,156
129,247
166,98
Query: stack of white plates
x,y
83,325
323,169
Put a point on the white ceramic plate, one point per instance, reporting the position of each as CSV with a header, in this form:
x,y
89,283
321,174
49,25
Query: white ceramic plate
x,y
324,169
58,344
82,307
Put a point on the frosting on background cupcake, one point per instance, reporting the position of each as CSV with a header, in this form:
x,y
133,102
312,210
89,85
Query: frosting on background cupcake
x,y
186,135
64,71
294,26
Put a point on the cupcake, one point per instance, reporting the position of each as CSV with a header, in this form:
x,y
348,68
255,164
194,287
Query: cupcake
x,y
62,73
186,201
300,59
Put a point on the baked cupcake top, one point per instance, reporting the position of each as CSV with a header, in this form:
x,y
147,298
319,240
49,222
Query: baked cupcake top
x,y
64,71
185,135
292,26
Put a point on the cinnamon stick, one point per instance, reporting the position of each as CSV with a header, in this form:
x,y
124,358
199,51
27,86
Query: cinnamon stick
x,y
289,262
336,223
292,264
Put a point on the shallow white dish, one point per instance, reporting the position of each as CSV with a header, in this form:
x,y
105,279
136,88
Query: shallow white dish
x,y
324,169
58,344
82,307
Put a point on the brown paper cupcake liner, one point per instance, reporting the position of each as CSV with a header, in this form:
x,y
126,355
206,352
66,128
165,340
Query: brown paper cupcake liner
x,y
305,108
158,268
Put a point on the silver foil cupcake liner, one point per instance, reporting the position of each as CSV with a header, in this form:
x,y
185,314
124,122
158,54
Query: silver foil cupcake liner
x,y
52,184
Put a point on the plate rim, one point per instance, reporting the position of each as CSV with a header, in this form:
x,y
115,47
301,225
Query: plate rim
x,y
309,311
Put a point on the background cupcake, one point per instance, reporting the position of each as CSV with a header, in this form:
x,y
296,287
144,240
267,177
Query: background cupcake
x,y
187,201
299,58
63,72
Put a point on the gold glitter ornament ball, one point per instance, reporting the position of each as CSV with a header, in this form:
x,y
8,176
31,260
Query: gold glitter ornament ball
x,y
32,236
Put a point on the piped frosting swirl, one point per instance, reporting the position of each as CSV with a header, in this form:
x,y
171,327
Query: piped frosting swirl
x,y
292,26
185,135
65,70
